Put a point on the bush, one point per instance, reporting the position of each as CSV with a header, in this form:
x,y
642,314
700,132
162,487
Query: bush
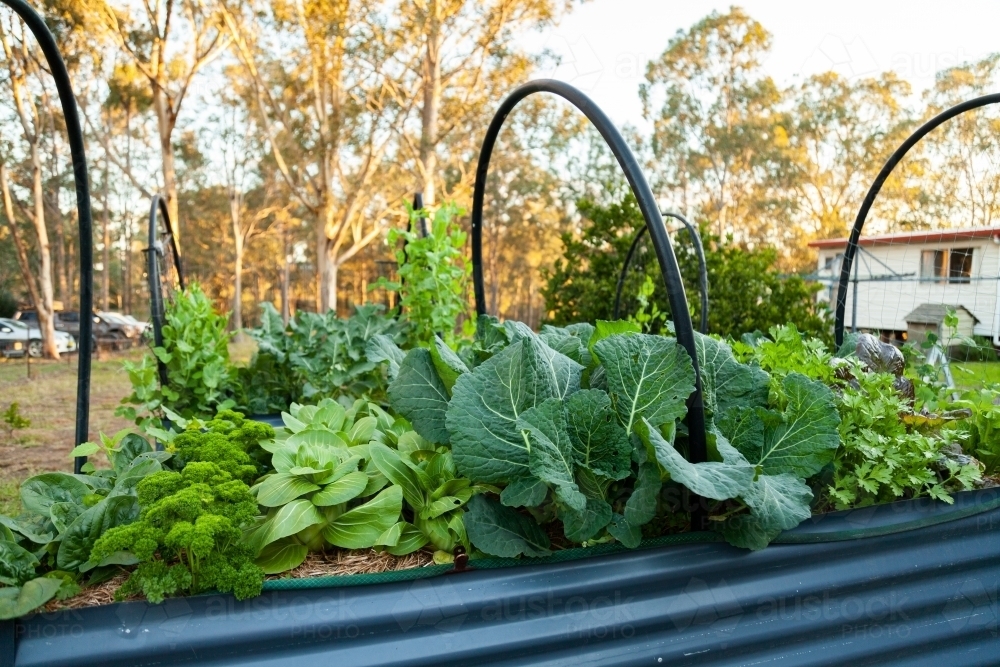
x,y
746,292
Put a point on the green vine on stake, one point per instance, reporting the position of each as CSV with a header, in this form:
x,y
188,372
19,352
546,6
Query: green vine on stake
x,y
434,272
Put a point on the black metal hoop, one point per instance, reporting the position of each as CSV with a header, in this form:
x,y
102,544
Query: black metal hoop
x,y
160,244
695,419
894,159
699,250
75,134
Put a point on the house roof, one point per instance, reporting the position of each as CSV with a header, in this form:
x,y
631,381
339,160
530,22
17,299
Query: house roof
x,y
936,236
933,313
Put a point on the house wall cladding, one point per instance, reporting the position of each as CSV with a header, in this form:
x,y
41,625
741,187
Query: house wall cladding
x,y
924,596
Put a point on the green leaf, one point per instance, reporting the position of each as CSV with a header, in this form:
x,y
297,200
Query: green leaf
x,y
446,504
581,526
281,556
291,423
482,417
725,381
624,532
78,540
85,449
565,342
314,437
130,447
63,514
16,602
40,492
641,505
391,465
779,502
599,441
346,488
719,481
17,564
524,492
649,377
410,539
35,531
360,528
800,441
605,329
449,366
390,538
292,518
746,532
381,347
418,394
500,531
550,458
281,488
363,430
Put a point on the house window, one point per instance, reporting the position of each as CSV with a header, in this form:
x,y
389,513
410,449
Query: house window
x,y
833,263
960,265
933,264
953,266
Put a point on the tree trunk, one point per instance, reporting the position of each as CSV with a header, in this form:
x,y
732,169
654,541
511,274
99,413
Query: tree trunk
x,y
46,321
286,311
165,126
62,269
127,264
234,216
106,251
432,100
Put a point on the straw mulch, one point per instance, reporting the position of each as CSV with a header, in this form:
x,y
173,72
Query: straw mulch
x,y
330,564
341,562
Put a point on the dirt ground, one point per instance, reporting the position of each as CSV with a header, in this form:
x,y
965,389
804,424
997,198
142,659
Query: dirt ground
x,y
48,399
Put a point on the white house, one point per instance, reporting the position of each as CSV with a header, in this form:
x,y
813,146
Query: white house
x,y
897,274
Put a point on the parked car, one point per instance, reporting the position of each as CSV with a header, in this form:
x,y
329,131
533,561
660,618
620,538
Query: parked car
x,y
106,331
143,326
131,329
16,337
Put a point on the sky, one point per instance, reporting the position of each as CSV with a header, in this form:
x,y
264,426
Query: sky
x,y
605,44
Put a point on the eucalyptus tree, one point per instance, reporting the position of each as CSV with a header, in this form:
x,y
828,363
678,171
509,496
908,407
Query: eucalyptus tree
x,y
316,75
720,136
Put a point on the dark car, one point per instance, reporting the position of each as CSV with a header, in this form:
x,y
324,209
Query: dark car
x,y
106,331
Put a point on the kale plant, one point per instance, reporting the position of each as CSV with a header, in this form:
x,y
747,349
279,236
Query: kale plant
x,y
314,357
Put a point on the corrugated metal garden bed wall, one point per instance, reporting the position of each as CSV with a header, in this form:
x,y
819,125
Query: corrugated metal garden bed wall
x,y
914,582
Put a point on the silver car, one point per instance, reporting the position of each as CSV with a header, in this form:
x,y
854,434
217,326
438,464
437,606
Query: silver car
x,y
16,337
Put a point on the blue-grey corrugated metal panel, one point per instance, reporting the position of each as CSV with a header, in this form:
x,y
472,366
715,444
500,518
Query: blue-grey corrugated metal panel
x,y
922,597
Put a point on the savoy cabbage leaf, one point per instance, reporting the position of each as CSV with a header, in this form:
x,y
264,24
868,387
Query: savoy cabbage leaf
x,y
648,377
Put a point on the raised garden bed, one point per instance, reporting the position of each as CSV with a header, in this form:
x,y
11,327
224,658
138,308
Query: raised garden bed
x,y
534,491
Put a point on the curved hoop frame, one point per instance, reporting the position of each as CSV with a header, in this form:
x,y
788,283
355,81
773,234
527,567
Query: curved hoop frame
x,y
157,309
894,159
702,268
695,418
75,134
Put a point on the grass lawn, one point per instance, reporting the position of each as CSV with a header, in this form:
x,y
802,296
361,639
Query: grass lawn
x,y
48,400
975,374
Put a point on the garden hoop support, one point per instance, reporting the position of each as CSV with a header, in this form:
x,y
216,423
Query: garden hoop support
x,y
702,268
695,418
883,175
74,131
157,309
